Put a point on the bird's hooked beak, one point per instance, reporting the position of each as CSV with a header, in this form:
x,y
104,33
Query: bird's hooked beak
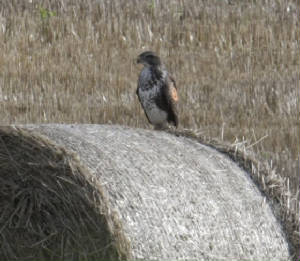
x,y
138,60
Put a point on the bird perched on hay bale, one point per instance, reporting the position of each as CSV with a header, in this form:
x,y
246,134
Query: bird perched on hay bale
x,y
157,92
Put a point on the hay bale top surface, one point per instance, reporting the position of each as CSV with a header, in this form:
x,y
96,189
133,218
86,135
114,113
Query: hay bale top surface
x,y
175,198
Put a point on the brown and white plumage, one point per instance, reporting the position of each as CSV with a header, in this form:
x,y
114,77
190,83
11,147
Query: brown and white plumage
x,y
157,91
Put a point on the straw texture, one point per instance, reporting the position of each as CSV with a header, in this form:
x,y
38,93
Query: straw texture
x,y
149,194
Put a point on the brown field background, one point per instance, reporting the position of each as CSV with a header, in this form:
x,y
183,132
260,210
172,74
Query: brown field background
x,y
236,64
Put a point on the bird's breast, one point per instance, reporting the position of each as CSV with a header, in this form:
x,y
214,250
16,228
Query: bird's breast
x,y
148,99
150,77
145,75
148,94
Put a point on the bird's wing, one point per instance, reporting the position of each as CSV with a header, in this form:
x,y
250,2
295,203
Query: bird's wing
x,y
171,95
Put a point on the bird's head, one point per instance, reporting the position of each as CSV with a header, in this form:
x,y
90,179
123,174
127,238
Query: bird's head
x,y
149,59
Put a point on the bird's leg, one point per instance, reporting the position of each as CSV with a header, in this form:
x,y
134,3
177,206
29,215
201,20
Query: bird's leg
x,y
160,127
157,127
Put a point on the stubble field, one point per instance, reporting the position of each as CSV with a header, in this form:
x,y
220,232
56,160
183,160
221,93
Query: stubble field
x,y
236,64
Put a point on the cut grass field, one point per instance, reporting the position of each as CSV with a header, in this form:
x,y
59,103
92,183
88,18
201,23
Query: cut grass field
x,y
236,64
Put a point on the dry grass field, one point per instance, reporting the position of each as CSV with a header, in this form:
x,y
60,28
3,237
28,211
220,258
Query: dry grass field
x,y
236,64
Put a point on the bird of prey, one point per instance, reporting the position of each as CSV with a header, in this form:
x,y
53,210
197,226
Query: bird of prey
x,y
157,92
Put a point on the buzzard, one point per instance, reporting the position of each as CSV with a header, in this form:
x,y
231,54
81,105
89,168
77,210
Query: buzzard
x,y
157,92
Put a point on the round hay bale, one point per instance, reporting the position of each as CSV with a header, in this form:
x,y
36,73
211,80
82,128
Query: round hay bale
x,y
102,192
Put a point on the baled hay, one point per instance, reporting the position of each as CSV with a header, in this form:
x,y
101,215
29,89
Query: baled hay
x,y
48,208
175,199
141,195
285,205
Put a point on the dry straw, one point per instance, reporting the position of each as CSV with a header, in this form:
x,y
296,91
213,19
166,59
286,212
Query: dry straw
x,y
49,209
99,192
285,205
